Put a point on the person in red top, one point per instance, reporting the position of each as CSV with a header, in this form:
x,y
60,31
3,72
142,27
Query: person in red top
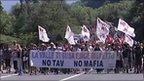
x,y
109,39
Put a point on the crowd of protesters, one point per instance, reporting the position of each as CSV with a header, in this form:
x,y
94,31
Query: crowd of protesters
x,y
15,57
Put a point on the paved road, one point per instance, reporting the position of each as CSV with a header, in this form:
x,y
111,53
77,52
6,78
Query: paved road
x,y
74,77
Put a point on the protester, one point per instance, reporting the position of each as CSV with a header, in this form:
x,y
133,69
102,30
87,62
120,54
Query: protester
x,y
143,57
125,54
138,59
43,47
127,57
25,59
32,69
1,58
7,58
19,57
97,48
14,56
119,62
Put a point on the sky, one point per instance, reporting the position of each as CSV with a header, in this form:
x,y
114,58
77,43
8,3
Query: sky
x,y
7,4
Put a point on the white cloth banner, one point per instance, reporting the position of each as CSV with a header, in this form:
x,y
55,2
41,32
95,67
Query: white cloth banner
x,y
97,59
42,34
69,35
129,40
102,30
85,33
125,28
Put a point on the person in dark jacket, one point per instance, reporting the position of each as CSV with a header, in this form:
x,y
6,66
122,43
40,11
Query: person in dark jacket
x,y
126,52
138,59
97,48
7,58
143,58
143,50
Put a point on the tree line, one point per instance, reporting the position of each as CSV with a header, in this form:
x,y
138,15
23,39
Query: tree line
x,y
54,16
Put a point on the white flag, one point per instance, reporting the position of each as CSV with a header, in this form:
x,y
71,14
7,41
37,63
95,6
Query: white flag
x,y
102,30
85,33
125,28
42,34
69,35
129,40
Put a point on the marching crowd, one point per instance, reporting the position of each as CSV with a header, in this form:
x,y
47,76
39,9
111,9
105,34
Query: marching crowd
x,y
15,57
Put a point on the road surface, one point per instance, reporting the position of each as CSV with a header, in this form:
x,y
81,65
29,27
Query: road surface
x,y
74,77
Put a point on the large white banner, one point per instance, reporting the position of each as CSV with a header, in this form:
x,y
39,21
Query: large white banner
x,y
98,59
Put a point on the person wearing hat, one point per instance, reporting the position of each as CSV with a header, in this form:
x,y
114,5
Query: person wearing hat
x,y
43,47
53,48
32,69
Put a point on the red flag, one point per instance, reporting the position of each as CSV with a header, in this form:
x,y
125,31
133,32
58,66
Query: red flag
x,y
109,39
119,41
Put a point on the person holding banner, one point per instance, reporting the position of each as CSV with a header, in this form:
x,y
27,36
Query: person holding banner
x,y
66,49
32,69
43,47
53,49
97,48
125,54
119,64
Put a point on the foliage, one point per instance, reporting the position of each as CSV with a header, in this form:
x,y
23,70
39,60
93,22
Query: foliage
x,y
137,18
29,37
54,16
112,12
6,22
9,39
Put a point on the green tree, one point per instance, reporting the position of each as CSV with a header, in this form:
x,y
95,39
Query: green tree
x,y
52,15
137,18
6,21
112,12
